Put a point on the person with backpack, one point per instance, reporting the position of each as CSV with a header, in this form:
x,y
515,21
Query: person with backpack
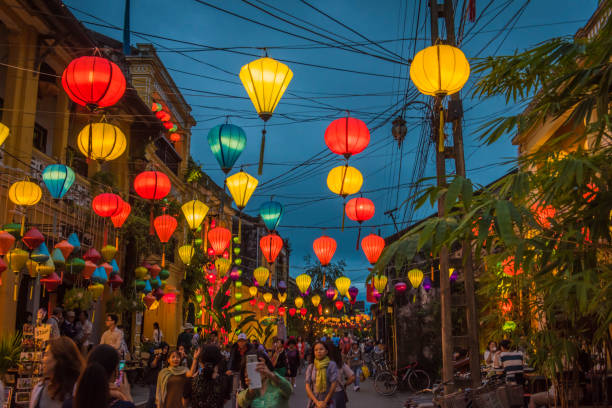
x,y
354,358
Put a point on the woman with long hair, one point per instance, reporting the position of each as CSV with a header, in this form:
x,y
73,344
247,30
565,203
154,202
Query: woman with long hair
x,y
279,357
61,368
321,378
346,376
211,387
97,387
171,382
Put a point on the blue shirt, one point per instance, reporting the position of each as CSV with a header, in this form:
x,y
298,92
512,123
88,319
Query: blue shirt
x,y
336,340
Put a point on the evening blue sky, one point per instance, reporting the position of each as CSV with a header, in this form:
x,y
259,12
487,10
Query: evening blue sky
x,y
316,96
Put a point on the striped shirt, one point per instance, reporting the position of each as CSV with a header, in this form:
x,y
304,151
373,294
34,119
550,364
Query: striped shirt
x,y
512,362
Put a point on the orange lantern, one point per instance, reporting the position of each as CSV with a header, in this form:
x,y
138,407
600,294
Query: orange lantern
x,y
219,239
324,248
372,246
271,246
165,225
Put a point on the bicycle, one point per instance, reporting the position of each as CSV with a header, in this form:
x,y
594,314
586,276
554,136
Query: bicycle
x,y
387,382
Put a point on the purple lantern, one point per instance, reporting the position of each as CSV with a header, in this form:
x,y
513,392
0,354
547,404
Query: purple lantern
x,y
234,274
330,293
400,287
453,276
282,286
426,283
353,291
158,293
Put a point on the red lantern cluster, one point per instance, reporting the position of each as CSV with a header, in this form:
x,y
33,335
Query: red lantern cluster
x,y
372,246
152,185
324,248
94,82
219,239
271,246
106,204
347,136
360,209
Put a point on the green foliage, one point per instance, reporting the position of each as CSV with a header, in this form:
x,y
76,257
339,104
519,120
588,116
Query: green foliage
x,y
119,304
318,272
78,299
10,349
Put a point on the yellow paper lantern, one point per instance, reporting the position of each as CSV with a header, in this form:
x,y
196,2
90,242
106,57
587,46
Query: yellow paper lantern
x,y
222,265
194,211
4,133
439,70
253,291
299,302
16,259
97,289
343,283
32,268
241,186
344,180
25,193
303,282
416,277
101,141
108,252
267,297
140,272
186,252
261,275
316,299
282,297
265,80
450,272
46,268
380,283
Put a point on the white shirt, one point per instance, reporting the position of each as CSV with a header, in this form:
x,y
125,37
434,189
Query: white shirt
x,y
157,335
112,337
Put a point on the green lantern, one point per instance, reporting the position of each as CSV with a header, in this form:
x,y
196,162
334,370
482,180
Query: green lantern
x,y
226,142
271,213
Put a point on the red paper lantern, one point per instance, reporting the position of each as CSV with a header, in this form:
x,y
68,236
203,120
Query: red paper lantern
x,y
253,302
33,238
292,311
303,311
94,82
115,281
51,282
400,287
162,115
168,125
154,270
88,269
339,304
164,227
372,246
261,305
324,248
271,246
92,255
347,136
219,239
271,309
121,215
106,204
6,242
175,137
281,311
152,185
360,209
169,298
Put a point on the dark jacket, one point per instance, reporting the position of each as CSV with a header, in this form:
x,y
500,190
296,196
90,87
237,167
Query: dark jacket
x,y
184,339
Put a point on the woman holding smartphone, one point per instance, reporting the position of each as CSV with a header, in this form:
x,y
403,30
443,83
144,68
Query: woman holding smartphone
x,y
275,390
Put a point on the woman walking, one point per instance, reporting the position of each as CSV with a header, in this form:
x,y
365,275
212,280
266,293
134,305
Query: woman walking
x,y
61,366
321,378
346,376
293,358
355,362
171,382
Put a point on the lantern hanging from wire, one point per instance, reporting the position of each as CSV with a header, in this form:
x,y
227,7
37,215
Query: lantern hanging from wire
x,y
353,292
253,291
226,143
58,178
165,225
267,297
271,213
265,81
438,71
330,293
359,209
24,194
282,297
261,275
271,246
241,186
222,266
6,242
152,185
344,181
339,305
94,82
303,282
316,299
101,141
194,211
186,253
347,136
219,239
372,246
299,302
119,218
380,283
324,248
415,276
342,284
400,287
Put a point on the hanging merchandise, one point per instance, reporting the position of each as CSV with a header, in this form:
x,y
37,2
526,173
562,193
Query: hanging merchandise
x,y
58,178
73,239
415,276
94,82
261,275
372,246
343,283
40,254
88,270
58,258
226,143
303,282
66,248
51,282
347,136
108,252
115,281
219,239
101,141
265,81
33,238
271,213
46,268
92,255
75,266
194,211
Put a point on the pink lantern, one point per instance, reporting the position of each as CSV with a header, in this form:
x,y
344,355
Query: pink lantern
x,y
400,287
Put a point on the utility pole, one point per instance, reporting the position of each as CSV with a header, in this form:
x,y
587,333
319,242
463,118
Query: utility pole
x,y
446,11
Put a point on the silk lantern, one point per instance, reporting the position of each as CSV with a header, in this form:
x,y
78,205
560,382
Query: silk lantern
x,y
400,287
253,291
58,178
324,248
265,81
347,136
241,186
94,82
226,143
4,133
101,141
25,193
271,246
152,185
219,239
261,305
339,304
92,255
267,297
353,292
303,282
194,211
343,283
222,266
299,302
33,238
427,284
416,277
292,311
359,209
316,299
344,180
108,252
119,218
439,70
165,225
16,259
261,275
186,252
271,213
6,242
372,247
303,311
106,204
281,297
380,283
330,293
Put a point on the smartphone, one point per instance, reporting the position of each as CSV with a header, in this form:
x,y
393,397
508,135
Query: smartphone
x,y
121,373
122,365
254,376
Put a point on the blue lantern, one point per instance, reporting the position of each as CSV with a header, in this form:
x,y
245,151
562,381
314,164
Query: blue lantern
x,y
226,142
113,263
99,275
73,239
271,213
40,254
148,288
58,178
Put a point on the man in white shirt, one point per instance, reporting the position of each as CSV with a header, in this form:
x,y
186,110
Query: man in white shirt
x,y
113,336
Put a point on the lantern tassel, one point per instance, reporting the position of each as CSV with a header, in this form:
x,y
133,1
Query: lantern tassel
x,y
441,142
358,237
261,150
22,224
117,241
15,292
163,262
343,215
151,230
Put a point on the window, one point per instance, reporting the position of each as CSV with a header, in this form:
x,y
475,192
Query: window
x,y
40,138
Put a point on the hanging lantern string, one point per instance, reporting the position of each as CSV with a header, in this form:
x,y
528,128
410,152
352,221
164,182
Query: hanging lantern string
x,y
261,150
